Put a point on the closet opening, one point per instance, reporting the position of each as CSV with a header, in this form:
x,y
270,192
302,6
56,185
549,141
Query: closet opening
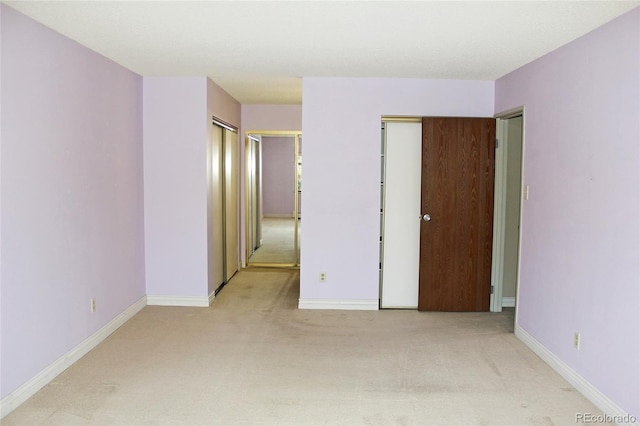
x,y
222,204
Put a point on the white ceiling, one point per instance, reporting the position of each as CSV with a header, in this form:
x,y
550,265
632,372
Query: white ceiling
x,y
258,51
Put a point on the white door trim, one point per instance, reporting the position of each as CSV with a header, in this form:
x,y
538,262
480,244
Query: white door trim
x,y
499,210
499,205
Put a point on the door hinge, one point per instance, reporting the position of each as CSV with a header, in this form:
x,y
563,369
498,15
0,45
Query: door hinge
x,y
491,289
497,143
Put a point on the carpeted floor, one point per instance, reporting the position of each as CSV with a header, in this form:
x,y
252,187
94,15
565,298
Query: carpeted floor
x,y
277,241
254,359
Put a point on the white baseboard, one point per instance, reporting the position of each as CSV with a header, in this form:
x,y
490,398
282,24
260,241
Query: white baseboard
x,y
197,301
508,302
577,381
211,297
28,389
341,304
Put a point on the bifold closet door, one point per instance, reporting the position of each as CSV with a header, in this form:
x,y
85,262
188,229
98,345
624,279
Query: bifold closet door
x,y
401,244
231,202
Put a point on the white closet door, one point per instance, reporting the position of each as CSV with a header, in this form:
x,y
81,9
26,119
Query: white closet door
x,y
401,244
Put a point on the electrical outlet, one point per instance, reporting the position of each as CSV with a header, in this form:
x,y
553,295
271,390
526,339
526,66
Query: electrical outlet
x,y
93,305
576,340
323,277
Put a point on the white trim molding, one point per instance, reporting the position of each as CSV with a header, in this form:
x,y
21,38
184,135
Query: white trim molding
x,y
340,304
194,301
28,389
499,207
508,302
589,391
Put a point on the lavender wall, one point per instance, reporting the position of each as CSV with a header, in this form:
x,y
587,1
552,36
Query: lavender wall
x,y
341,203
72,213
262,117
222,105
1,56
271,117
580,230
278,176
177,128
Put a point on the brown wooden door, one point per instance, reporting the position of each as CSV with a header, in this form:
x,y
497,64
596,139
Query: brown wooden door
x,y
458,170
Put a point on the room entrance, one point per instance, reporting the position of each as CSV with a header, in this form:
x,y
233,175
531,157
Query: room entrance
x,y
274,189
508,204
437,213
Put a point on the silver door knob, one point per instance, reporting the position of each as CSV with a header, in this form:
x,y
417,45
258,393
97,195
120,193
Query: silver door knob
x,y
426,217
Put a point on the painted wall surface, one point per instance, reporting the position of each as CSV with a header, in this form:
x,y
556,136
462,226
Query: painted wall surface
x,y
222,105
262,117
580,231
175,185
341,203
177,135
1,9
278,176
72,212
271,117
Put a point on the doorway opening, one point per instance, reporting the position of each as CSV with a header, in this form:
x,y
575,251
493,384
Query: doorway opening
x,y
457,210
273,197
507,209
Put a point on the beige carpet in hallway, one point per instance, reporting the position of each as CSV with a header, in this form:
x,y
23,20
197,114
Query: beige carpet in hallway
x,y
278,241
254,359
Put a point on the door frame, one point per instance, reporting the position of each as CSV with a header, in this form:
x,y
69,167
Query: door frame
x,y
251,135
497,269
500,206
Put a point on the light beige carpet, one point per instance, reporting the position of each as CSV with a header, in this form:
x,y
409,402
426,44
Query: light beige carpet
x,y
277,241
254,359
